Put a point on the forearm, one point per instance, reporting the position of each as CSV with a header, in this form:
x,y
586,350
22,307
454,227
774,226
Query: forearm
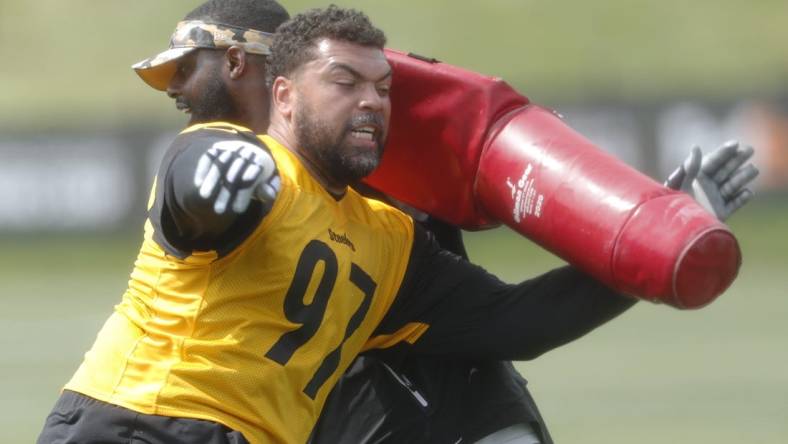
x,y
521,321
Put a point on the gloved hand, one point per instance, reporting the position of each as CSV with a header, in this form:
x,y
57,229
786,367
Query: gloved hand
x,y
717,180
234,172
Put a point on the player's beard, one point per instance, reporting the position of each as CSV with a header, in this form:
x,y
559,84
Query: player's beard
x,y
343,162
214,103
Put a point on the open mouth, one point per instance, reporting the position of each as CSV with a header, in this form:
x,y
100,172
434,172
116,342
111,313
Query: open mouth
x,y
366,132
183,106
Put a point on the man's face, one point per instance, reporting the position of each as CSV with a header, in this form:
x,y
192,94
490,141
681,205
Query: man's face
x,y
198,88
342,108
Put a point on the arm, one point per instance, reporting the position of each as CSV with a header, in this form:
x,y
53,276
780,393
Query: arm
x,y
474,314
216,186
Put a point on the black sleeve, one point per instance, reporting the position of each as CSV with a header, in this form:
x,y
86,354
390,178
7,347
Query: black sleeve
x,y
473,314
448,236
184,221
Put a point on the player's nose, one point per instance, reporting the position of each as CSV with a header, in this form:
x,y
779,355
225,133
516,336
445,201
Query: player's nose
x,y
172,91
175,87
371,99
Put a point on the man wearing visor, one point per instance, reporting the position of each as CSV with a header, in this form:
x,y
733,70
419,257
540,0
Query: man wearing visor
x,y
191,35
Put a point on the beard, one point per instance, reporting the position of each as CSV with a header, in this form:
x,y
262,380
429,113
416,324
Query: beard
x,y
330,147
213,104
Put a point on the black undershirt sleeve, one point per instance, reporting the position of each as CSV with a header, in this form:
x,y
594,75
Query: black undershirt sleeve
x,y
194,215
472,314
186,222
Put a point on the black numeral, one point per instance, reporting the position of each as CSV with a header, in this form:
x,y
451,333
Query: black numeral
x,y
331,361
310,316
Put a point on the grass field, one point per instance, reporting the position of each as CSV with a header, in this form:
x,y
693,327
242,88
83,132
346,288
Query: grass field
x,y
75,66
655,375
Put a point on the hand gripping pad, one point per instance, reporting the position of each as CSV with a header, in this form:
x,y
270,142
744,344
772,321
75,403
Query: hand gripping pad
x,y
470,150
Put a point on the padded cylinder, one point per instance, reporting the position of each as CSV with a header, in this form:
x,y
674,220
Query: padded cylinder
x,y
470,150
549,183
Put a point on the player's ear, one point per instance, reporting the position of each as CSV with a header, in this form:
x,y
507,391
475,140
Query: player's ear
x,y
283,96
235,60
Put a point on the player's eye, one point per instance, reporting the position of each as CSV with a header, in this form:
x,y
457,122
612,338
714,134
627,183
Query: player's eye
x,y
183,69
349,83
384,90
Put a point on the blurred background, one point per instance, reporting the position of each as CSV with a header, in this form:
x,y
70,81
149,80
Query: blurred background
x,y
80,136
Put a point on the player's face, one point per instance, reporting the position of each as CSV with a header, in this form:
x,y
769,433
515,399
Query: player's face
x,y
198,88
342,108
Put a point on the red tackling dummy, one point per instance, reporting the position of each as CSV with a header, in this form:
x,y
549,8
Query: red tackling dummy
x,y
470,150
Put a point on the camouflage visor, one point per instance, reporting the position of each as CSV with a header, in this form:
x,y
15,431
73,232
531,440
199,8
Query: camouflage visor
x,y
157,71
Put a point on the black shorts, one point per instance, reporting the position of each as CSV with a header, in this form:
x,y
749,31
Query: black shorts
x,y
79,419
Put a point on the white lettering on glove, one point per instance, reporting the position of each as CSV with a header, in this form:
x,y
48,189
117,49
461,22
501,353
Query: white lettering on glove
x,y
233,172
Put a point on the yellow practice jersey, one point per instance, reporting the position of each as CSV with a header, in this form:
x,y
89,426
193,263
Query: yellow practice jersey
x,y
255,337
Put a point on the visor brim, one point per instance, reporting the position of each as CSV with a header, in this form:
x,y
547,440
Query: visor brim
x,y
158,70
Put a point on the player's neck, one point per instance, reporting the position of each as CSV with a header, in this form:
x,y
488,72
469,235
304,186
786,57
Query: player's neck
x,y
256,121
258,126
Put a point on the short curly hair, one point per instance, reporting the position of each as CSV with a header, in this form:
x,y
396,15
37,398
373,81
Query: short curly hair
x,y
296,39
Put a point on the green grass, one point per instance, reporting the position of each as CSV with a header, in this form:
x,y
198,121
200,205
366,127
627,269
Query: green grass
x,y
654,375
67,64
